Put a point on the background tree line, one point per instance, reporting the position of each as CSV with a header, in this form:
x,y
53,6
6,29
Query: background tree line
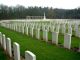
x,y
20,12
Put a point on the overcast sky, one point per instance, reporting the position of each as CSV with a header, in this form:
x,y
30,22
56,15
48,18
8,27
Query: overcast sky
x,y
65,4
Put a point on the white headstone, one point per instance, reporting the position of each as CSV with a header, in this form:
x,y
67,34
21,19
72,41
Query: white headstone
x,y
43,27
29,56
76,32
47,27
0,38
70,31
32,30
26,30
8,47
52,28
75,27
23,29
38,33
45,35
15,27
19,28
67,41
69,25
16,48
4,42
55,38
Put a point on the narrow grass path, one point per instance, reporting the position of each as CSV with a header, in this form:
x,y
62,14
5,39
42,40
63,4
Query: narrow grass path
x,y
3,56
42,50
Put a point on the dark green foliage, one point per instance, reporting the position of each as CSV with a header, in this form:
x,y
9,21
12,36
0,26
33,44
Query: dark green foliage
x,y
20,12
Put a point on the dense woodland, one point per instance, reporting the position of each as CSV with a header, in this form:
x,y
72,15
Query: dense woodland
x,y
20,12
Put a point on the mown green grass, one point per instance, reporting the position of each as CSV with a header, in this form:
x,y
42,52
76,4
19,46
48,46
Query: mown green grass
x,y
42,50
3,56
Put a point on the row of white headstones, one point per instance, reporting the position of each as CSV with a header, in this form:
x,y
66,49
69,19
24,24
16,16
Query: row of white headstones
x,y
25,27
7,46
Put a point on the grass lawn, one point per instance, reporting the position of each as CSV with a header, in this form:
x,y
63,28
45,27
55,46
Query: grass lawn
x,y
42,50
3,55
